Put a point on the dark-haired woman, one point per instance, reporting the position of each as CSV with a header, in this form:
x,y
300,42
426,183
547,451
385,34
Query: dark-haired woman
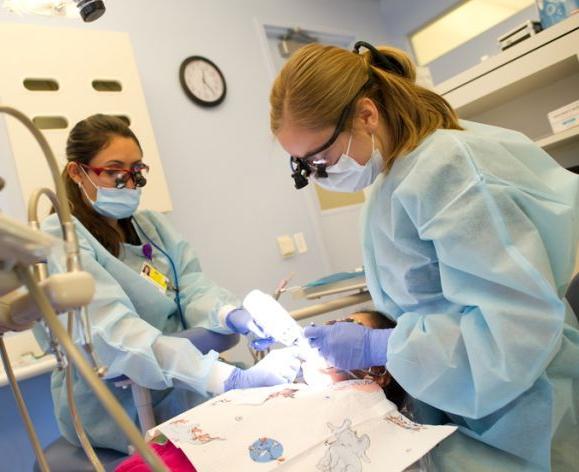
x,y
149,286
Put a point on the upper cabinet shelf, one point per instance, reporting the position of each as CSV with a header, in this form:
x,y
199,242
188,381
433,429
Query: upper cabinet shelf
x,y
569,47
517,88
563,138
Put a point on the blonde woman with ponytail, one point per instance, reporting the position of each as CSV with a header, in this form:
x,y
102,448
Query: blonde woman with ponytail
x,y
469,239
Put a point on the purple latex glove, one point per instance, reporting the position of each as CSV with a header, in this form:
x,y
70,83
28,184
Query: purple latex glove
x,y
278,367
240,321
349,346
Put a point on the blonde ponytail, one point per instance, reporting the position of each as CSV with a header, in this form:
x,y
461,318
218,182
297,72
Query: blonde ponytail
x,y
318,82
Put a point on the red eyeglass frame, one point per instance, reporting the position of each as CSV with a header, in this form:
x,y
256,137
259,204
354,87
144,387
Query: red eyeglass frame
x,y
128,173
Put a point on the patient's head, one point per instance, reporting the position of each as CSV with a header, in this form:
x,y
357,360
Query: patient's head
x,y
376,320
371,319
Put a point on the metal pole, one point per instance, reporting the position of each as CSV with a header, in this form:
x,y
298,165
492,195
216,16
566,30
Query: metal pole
x,y
331,305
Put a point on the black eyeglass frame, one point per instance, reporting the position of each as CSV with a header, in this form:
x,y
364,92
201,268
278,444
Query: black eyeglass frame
x,y
301,167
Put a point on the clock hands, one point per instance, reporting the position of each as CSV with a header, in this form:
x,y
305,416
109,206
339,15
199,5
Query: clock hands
x,y
202,81
205,82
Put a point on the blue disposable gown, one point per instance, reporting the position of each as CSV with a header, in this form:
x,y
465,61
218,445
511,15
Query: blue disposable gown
x,y
131,319
469,244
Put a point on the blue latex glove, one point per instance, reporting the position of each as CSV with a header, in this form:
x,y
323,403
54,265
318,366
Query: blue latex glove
x,y
261,344
240,321
349,346
278,367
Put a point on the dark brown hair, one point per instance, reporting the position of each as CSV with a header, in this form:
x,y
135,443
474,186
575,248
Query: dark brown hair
x,y
85,141
392,389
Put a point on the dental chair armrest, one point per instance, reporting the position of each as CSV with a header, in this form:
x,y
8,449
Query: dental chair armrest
x,y
202,338
206,340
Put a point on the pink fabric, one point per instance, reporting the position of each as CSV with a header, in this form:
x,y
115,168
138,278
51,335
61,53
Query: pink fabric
x,y
174,458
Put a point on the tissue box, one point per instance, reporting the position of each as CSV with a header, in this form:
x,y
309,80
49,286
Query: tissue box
x,y
564,117
554,11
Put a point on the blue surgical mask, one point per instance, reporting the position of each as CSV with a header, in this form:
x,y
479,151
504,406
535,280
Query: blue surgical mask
x,y
117,203
346,175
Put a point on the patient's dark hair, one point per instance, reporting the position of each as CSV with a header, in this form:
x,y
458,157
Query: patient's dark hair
x,y
394,392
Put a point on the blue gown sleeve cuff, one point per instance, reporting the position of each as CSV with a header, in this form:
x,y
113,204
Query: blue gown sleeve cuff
x,y
378,346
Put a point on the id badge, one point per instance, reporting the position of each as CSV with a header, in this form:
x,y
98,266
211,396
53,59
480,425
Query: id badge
x,y
155,276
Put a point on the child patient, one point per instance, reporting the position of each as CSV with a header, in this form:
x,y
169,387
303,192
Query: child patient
x,y
176,460
375,320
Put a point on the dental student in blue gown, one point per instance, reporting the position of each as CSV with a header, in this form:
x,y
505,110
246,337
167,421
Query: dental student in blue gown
x,y
149,288
469,241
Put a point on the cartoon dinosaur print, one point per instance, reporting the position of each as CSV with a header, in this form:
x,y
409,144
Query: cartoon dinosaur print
x,y
347,452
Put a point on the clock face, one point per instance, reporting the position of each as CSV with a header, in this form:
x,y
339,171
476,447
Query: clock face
x,y
202,81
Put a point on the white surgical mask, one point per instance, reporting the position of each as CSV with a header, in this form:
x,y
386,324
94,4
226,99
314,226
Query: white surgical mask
x,y
117,203
347,175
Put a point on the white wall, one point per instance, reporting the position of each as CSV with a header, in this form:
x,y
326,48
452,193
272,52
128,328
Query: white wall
x,y
74,99
230,187
402,17
10,197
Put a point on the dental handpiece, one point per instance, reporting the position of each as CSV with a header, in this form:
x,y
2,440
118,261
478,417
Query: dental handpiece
x,y
271,317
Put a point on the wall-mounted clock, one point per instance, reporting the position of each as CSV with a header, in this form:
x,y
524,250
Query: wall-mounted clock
x,y
202,81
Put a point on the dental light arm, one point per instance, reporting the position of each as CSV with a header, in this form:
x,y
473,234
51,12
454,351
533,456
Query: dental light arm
x,y
22,245
41,268
57,284
30,247
69,291
73,265
25,246
18,245
89,10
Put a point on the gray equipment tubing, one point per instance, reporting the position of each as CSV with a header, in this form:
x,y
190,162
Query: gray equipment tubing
x,y
102,392
41,273
73,263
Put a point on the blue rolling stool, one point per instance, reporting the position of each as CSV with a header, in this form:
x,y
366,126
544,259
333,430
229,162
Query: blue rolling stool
x,y
63,456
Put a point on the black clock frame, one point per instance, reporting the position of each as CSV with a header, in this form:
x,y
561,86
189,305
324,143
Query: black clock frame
x,y
189,93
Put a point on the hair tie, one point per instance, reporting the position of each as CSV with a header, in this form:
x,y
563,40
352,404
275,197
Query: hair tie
x,y
379,59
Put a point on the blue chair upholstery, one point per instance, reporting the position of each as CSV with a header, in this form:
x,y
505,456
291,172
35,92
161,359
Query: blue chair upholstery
x,y
206,340
63,456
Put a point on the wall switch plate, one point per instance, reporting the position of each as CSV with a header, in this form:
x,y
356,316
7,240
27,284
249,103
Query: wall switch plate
x,y
286,246
301,243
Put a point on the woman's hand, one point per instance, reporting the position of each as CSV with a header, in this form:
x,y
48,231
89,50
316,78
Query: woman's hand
x,y
278,367
349,346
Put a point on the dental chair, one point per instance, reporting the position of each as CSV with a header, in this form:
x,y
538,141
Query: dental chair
x,y
63,456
